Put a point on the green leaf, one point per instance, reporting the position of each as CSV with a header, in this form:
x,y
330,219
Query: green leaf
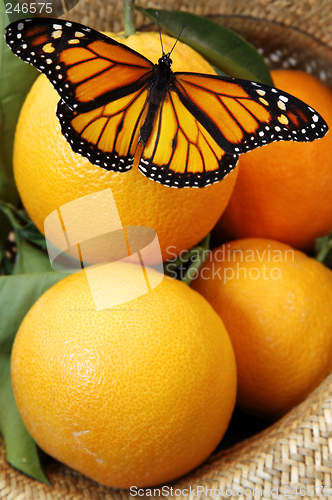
x,y
6,265
16,80
17,295
323,250
21,450
31,233
30,259
20,221
221,47
5,228
10,212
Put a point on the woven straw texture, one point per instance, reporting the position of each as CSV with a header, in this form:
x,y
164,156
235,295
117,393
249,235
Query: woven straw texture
x,y
296,451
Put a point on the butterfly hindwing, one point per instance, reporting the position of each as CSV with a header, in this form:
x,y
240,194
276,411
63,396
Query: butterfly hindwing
x,y
242,115
107,136
180,151
87,69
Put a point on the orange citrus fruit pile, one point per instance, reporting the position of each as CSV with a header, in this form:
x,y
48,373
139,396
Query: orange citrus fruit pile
x,y
49,174
142,392
283,190
275,303
137,394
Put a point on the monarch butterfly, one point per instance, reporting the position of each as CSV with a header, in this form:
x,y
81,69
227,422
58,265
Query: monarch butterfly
x,y
192,127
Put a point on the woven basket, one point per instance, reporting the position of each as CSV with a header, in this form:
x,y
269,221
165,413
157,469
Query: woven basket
x,y
296,452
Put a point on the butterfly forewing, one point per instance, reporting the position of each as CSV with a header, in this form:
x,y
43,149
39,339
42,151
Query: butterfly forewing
x,y
180,152
87,68
242,115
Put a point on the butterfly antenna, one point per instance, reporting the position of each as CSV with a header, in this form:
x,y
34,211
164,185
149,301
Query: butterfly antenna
x,y
176,41
161,40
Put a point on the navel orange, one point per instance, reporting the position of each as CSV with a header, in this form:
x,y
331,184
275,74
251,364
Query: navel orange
x,y
276,305
134,395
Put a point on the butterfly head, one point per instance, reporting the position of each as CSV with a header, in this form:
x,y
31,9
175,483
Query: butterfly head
x,y
165,59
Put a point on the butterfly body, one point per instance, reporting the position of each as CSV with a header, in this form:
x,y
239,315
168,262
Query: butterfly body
x,y
158,90
191,127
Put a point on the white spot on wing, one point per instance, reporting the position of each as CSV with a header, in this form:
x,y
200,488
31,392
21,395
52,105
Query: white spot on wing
x,y
56,34
281,105
283,98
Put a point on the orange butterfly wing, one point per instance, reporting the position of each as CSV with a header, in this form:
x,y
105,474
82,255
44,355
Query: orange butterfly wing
x,y
241,115
181,152
85,67
108,135
103,86
207,121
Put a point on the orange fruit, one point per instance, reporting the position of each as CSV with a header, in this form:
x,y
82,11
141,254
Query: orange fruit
x,y
49,174
275,303
136,394
283,190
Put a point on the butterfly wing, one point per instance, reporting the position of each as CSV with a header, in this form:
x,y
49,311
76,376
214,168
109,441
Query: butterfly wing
x,y
207,121
102,83
107,136
181,152
241,115
86,68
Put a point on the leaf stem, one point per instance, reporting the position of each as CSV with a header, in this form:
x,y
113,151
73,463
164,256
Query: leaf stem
x,y
194,267
200,253
129,27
